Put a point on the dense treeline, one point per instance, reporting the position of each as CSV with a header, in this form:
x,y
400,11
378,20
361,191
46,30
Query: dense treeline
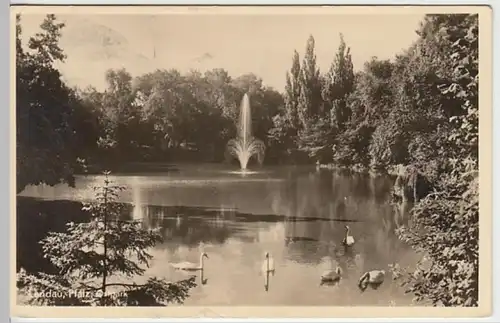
x,y
418,110
390,113
159,116
166,116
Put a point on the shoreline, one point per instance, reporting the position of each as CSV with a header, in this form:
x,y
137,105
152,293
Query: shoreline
x,y
391,171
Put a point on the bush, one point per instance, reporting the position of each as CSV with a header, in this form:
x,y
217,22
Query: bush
x,y
445,225
445,228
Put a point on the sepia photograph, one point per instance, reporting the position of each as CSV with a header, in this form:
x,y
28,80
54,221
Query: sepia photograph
x,y
244,157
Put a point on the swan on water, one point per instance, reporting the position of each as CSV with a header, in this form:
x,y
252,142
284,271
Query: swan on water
x,y
374,278
331,276
348,239
189,266
268,265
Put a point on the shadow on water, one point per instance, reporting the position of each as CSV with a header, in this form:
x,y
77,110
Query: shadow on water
x,y
201,277
299,216
34,219
267,280
180,225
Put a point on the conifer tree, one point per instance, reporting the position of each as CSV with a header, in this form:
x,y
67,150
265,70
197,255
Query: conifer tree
x,y
96,261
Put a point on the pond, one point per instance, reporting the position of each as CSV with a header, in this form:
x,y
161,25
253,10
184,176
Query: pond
x,y
297,214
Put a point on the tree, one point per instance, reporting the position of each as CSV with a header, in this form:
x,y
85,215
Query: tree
x,y
265,103
93,256
292,92
279,135
282,136
317,140
123,117
310,101
445,224
46,150
338,85
97,128
248,83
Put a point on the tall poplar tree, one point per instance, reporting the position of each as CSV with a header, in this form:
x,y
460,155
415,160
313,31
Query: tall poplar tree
x,y
292,91
310,101
338,84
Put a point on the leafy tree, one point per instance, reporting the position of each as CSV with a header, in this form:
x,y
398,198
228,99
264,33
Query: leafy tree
x,y
445,224
248,83
370,132
338,85
310,101
158,116
122,116
419,110
264,103
317,139
103,138
93,258
373,96
86,123
390,141
310,107
353,147
155,98
44,107
286,124
292,92
281,138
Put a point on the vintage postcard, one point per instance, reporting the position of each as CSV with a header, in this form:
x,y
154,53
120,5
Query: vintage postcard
x,y
255,161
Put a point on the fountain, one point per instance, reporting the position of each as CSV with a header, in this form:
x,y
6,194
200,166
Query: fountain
x,y
245,145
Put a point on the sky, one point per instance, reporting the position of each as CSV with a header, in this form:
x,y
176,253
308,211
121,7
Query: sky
x,y
243,43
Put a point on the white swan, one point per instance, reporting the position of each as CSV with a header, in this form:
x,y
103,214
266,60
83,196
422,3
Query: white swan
x,y
374,278
331,276
189,266
348,239
268,265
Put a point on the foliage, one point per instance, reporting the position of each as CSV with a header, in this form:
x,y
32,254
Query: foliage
x,y
309,101
355,145
338,84
462,88
45,135
419,110
158,116
445,225
161,115
282,137
92,257
316,139
292,91
286,123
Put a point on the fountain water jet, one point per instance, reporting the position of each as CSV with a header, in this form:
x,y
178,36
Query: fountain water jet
x,y
245,145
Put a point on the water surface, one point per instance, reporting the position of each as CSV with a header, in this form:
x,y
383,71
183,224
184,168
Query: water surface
x,y
298,214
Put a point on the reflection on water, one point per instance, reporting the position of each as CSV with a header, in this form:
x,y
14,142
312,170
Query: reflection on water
x,y
298,215
267,280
